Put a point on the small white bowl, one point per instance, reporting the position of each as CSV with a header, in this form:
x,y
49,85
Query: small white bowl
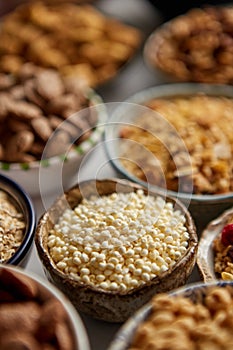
x,y
50,174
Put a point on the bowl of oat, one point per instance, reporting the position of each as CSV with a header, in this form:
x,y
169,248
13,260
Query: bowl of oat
x,y
47,125
214,259
17,223
198,316
195,46
177,139
36,315
110,245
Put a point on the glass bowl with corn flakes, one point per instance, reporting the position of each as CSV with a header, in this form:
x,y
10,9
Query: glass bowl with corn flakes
x,y
197,316
177,139
110,245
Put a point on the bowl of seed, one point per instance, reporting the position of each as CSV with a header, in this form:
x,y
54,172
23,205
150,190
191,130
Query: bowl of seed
x,y
110,245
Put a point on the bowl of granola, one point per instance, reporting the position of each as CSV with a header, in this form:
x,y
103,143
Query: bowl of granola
x,y
35,315
17,223
47,124
215,260
110,245
197,316
195,46
177,139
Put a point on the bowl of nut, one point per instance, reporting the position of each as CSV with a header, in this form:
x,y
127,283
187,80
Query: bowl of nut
x,y
47,125
195,46
76,40
17,223
35,315
197,316
214,258
177,138
110,245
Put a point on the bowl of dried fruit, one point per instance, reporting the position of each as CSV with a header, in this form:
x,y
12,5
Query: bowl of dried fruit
x,y
35,315
215,258
195,46
110,245
177,138
17,223
197,316
47,124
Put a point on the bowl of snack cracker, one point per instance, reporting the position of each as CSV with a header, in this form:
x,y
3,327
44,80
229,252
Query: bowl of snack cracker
x,y
195,46
177,138
110,245
47,124
197,316
35,315
215,260
17,223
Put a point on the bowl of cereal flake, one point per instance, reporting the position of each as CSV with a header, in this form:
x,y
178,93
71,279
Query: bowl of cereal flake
x,y
110,245
176,138
197,316
17,223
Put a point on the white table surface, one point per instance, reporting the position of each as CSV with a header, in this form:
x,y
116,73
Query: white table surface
x,y
133,78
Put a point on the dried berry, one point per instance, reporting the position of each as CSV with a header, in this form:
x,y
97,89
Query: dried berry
x,y
227,235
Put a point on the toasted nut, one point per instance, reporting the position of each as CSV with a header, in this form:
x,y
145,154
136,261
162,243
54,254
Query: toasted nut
x,y
42,128
24,110
49,84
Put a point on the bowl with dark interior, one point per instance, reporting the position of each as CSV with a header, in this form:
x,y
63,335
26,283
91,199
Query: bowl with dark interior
x,y
17,224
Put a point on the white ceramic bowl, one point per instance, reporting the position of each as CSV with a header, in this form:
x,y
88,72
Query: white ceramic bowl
x,y
51,174
203,208
81,341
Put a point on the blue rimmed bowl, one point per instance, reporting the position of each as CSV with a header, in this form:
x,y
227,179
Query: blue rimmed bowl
x,y
53,174
24,204
194,292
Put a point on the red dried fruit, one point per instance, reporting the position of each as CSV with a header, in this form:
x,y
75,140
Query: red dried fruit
x,y
227,235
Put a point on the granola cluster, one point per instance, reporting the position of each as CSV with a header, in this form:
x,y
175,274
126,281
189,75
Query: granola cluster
x,y
12,227
182,144
197,46
223,252
77,40
36,104
178,323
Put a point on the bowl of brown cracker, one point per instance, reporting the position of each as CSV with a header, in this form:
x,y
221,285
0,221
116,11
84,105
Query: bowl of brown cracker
x,y
17,223
47,124
177,139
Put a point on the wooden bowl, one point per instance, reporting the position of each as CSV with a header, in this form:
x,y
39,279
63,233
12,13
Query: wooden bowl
x,y
102,304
